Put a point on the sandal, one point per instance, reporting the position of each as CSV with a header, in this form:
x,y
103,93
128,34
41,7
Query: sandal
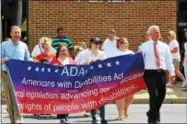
x,y
120,118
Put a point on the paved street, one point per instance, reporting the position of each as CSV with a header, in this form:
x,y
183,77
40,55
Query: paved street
x,y
170,113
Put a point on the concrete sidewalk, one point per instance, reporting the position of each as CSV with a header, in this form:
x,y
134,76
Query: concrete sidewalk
x,y
170,113
174,95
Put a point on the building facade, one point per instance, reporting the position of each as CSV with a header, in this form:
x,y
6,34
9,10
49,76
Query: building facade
x,y
82,19
13,12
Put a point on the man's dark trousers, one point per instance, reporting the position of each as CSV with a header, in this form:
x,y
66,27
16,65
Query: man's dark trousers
x,y
156,84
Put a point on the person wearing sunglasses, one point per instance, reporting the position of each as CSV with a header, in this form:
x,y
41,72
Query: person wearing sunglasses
x,y
92,54
123,103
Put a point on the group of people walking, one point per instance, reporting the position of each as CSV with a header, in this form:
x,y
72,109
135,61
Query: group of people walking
x,y
60,51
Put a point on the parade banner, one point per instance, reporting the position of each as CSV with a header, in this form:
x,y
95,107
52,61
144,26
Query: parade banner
x,y
48,89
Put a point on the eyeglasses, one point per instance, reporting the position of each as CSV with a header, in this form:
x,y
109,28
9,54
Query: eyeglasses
x,y
63,50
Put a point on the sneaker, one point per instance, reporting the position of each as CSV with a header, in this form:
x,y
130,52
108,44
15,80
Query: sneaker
x,y
19,121
168,85
103,121
62,121
184,85
184,90
94,120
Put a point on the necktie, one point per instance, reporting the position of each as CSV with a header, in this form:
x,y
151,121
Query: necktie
x,y
157,59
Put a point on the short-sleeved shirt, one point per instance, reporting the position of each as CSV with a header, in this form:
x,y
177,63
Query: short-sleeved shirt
x,y
174,44
120,53
67,61
109,47
86,56
56,42
38,49
43,55
11,50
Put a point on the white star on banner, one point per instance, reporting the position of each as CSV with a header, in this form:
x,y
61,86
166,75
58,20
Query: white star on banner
x,y
109,64
56,71
37,69
100,66
43,69
49,70
117,62
29,68
91,68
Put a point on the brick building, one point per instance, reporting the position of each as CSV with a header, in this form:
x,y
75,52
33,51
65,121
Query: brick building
x,y
83,19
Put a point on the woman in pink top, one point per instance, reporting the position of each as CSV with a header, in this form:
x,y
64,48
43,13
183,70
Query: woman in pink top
x,y
63,58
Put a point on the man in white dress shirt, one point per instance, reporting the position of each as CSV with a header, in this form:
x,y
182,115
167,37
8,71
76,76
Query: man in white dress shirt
x,y
157,58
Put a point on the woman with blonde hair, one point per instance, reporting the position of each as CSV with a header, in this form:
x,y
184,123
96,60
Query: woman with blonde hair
x,y
83,45
175,52
45,56
38,48
77,49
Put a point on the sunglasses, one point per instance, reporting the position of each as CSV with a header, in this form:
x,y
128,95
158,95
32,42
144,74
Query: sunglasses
x,y
97,43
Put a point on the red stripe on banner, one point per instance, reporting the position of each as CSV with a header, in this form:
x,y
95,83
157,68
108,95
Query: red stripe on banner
x,y
56,105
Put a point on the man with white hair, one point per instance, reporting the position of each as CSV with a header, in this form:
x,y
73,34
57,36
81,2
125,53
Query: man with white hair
x,y
157,58
174,48
12,49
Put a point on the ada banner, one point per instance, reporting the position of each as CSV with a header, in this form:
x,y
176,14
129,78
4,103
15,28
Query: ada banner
x,y
48,89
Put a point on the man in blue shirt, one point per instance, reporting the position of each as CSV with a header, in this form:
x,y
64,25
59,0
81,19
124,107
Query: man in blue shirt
x,y
12,49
